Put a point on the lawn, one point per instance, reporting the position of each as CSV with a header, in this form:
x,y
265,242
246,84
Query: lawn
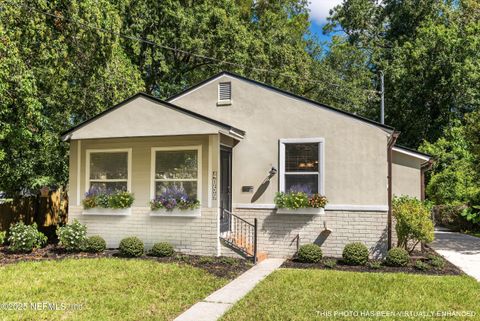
x,y
103,289
291,294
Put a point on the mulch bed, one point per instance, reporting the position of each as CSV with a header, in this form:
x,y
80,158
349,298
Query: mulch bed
x,y
224,267
448,269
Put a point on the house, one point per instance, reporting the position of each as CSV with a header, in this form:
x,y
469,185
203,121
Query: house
x,y
232,143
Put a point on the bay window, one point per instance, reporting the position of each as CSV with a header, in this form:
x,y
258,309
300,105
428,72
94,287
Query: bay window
x,y
302,165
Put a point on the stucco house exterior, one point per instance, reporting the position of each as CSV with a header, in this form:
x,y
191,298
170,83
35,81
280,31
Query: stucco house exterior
x,y
233,143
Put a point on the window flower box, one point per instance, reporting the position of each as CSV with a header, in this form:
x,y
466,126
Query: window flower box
x,y
300,202
107,211
302,211
176,212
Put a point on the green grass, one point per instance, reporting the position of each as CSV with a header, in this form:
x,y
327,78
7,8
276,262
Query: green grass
x,y
290,294
108,289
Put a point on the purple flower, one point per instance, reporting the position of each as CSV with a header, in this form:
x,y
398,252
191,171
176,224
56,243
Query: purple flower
x,y
300,188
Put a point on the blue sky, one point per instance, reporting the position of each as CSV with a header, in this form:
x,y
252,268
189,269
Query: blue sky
x,y
319,11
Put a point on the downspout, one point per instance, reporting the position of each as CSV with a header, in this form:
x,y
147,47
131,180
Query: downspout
x,y
391,142
425,167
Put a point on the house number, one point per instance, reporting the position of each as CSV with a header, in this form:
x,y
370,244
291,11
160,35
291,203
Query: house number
x,y
214,185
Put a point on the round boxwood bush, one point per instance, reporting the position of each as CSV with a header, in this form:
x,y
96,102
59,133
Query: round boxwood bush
x,y
96,244
355,253
310,253
131,247
397,257
162,249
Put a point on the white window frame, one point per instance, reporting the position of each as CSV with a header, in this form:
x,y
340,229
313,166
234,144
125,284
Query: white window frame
x,y
321,159
120,150
153,180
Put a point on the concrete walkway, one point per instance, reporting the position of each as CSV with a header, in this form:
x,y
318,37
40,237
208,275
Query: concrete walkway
x,y
217,303
460,249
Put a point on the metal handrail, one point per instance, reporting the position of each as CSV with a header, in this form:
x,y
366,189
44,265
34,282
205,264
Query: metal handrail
x,y
241,234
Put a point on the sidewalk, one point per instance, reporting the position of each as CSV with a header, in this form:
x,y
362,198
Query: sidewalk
x,y
217,303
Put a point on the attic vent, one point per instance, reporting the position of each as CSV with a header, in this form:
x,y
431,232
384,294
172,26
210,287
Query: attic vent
x,y
225,93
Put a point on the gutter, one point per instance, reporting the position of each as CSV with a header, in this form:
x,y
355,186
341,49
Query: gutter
x,y
425,167
391,142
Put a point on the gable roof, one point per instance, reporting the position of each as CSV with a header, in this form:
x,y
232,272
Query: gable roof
x,y
235,131
287,93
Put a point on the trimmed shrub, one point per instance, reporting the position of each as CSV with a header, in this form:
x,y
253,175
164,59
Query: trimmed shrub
x,y
413,222
73,236
355,253
310,253
436,261
95,244
330,263
162,249
397,257
375,265
131,247
422,266
25,238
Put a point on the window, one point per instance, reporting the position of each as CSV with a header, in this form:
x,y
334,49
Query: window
x,y
108,170
176,169
225,92
301,165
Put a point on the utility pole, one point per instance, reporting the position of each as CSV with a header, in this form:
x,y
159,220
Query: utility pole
x,y
382,102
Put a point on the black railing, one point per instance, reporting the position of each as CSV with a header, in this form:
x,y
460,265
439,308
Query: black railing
x,y
239,233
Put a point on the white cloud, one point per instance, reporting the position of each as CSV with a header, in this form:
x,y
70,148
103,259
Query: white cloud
x,y
320,9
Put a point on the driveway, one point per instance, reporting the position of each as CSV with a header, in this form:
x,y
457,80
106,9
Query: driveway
x,y
460,249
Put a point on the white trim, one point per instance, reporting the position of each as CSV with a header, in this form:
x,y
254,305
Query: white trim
x,y
329,207
153,151
118,150
356,208
176,213
321,159
79,164
108,211
410,153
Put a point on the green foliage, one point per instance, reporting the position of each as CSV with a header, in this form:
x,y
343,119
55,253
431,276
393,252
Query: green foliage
x,y
450,216
131,247
3,235
162,249
330,263
413,222
436,261
25,238
309,253
355,253
375,265
472,214
397,257
453,179
119,199
295,200
422,266
95,244
73,236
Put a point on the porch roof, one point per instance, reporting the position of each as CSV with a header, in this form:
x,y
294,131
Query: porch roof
x,y
143,115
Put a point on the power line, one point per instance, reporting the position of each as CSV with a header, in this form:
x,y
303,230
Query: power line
x,y
196,55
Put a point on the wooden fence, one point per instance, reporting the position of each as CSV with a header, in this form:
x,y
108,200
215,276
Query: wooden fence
x,y
47,212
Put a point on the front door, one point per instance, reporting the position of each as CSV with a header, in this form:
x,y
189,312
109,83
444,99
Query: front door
x,y
225,187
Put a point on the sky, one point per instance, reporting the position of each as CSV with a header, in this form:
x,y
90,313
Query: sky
x,y
319,11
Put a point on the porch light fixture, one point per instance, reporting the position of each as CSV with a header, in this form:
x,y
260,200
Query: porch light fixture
x,y
272,172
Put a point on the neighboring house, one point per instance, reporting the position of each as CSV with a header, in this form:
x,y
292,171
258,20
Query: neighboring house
x,y
233,143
